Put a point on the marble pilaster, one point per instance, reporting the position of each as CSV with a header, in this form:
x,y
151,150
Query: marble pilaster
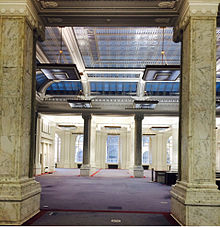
x,y
85,168
174,160
158,149
138,170
195,199
37,166
19,192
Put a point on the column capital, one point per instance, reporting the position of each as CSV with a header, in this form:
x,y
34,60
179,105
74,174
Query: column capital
x,y
196,9
139,117
23,8
86,116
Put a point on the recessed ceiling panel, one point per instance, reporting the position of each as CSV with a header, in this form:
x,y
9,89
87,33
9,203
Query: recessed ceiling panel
x,y
113,75
52,46
126,47
65,88
162,88
113,88
40,79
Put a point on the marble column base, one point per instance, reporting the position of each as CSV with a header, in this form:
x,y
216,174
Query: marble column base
x,y
85,170
19,201
138,171
195,204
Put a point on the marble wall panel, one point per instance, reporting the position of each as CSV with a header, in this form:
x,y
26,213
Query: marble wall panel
x,y
24,156
26,103
9,212
11,83
29,50
202,164
198,100
30,207
11,112
9,148
178,210
12,32
185,108
205,216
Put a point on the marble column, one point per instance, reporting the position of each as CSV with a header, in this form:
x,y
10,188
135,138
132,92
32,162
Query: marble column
x,y
174,159
85,168
19,192
138,170
195,199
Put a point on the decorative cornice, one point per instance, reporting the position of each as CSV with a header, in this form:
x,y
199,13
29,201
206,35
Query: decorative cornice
x,y
24,8
194,8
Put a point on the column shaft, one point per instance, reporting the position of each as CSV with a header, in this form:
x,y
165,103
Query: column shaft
x,y
20,193
85,168
138,169
195,199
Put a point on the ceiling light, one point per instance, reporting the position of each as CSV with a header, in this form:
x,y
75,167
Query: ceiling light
x,y
112,127
59,70
161,73
67,127
145,104
160,128
80,103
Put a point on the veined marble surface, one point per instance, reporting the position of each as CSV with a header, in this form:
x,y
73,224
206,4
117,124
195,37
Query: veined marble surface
x,y
19,194
195,198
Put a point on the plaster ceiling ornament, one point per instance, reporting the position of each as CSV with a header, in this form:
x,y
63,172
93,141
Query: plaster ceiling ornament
x,y
167,4
49,4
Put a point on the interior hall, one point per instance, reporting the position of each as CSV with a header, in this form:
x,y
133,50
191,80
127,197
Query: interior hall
x,y
110,112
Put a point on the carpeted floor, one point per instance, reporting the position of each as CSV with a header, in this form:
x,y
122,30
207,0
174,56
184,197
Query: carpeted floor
x,y
69,218
68,199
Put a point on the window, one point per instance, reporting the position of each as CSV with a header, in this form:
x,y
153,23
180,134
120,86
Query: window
x,y
169,149
145,149
57,148
112,149
79,149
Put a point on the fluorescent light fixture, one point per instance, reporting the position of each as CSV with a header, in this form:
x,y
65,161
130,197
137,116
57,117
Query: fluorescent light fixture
x,y
160,128
112,127
80,103
67,127
161,73
59,71
145,104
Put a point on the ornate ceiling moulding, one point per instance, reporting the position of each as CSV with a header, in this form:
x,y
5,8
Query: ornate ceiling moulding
x,y
52,20
167,5
162,20
21,8
49,4
195,8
